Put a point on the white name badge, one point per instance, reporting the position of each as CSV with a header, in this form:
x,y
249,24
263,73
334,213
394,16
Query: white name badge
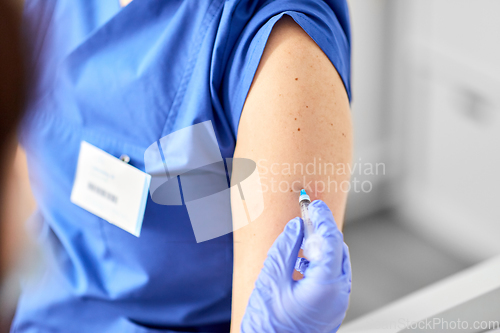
x,y
110,188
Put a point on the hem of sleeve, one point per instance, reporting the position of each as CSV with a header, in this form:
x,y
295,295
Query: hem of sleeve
x,y
341,65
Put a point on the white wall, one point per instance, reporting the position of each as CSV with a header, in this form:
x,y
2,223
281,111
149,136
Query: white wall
x,y
369,81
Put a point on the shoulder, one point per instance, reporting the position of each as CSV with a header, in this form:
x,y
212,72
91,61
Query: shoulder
x,y
299,33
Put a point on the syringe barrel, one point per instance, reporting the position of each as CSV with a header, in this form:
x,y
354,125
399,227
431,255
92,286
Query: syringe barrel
x,y
308,226
312,241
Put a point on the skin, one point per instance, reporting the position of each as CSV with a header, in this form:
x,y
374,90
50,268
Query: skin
x,y
297,111
16,208
123,3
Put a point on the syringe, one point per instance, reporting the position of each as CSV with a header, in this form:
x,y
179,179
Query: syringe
x,y
312,241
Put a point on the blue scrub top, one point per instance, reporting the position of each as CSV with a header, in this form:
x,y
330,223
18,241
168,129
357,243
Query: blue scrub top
x,y
120,79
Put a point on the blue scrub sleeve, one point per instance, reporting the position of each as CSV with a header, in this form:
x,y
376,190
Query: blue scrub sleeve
x,y
326,22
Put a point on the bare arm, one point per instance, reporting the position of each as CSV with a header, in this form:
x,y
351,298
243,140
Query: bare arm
x,y
296,113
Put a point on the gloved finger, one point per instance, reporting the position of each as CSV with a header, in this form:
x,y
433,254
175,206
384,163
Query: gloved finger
x,y
346,266
282,255
330,266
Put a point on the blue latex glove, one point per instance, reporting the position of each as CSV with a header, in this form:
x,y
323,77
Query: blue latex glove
x,y
319,301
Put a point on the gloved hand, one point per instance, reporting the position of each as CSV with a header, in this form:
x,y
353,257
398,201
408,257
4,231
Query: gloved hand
x,y
319,301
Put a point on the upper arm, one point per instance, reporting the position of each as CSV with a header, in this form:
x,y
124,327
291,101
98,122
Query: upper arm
x,y
296,126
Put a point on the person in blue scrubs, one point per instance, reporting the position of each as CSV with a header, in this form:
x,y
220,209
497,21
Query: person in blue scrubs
x,y
120,79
